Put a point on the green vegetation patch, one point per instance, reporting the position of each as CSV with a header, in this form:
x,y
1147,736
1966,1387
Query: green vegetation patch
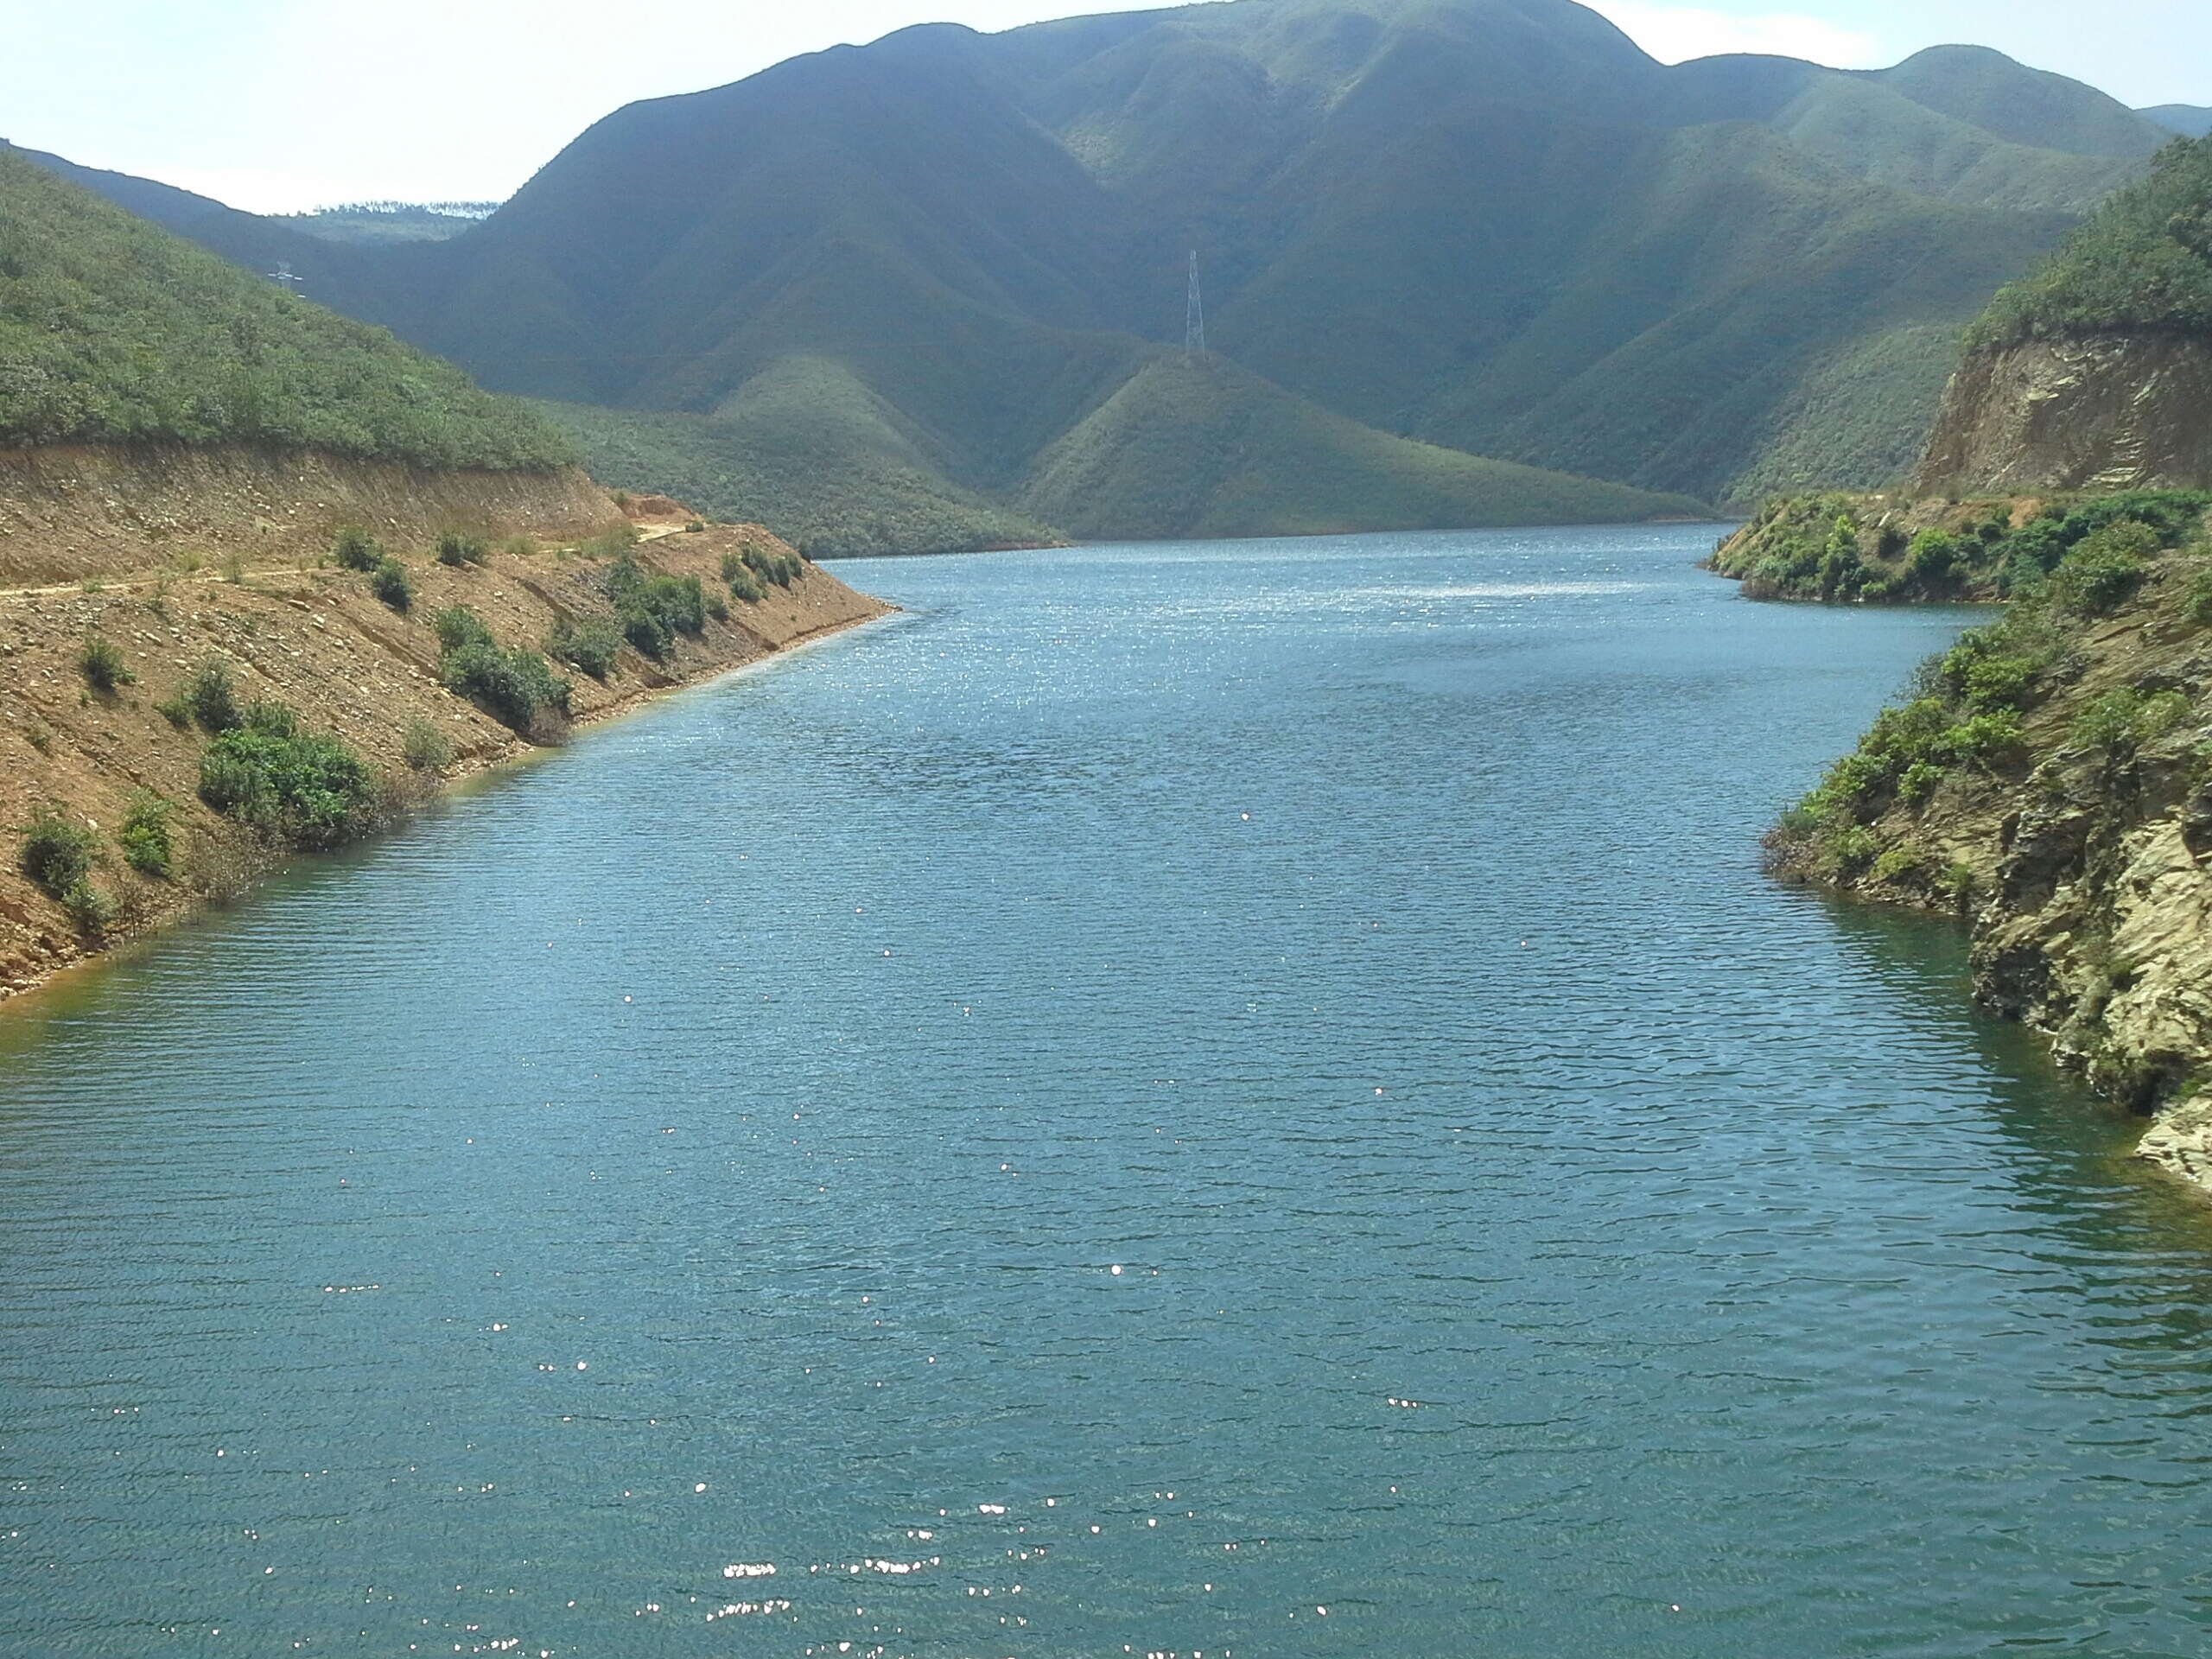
x,y
299,787
516,687
1967,708
2141,264
101,663
147,841
654,609
388,582
56,854
112,330
1839,548
590,646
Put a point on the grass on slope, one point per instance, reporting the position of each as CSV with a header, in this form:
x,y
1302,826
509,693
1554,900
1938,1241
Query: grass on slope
x,y
112,330
2143,262
1211,449
807,450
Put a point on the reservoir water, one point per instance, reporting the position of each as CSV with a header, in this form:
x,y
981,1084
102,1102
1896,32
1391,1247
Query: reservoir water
x,y
1224,1100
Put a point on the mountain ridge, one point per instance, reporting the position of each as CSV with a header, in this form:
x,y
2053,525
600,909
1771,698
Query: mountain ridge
x,y
1494,226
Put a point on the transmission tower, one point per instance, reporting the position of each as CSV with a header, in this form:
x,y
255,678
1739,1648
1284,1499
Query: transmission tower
x,y
1194,318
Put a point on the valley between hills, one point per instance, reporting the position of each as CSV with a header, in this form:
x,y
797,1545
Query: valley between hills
x,y
1480,264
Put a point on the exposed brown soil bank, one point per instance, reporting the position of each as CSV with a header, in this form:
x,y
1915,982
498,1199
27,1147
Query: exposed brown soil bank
x,y
315,638
2109,412
70,511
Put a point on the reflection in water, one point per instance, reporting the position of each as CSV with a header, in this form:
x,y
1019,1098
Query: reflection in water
x,y
1245,1098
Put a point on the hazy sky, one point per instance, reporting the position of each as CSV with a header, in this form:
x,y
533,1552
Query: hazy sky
x,y
277,105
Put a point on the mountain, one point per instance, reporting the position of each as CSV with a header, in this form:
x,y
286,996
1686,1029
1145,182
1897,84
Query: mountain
x,y
2095,370
112,330
2187,119
1207,449
1491,226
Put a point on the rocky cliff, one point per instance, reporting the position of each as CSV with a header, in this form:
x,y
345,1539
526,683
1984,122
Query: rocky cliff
x,y
2098,412
2050,780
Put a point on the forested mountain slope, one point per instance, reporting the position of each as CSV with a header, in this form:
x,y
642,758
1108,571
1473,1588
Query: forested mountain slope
x,y
1495,226
111,331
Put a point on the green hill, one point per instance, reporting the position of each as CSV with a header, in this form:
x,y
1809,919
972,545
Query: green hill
x,y
808,450
2141,264
1207,449
1492,225
112,330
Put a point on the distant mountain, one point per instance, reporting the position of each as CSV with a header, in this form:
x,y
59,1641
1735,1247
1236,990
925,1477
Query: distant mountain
x,y
2187,119
391,221
113,330
1491,226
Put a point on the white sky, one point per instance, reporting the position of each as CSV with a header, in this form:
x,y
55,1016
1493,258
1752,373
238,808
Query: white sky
x,y
280,104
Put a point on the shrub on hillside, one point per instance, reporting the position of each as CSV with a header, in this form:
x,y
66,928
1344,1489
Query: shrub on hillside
x,y
148,845
458,626
296,786
653,610
425,748
2121,721
517,687
356,549
590,646
2098,575
389,583
210,698
456,549
102,665
56,854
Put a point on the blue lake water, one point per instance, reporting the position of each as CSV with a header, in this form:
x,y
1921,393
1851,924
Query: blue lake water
x,y
1159,1092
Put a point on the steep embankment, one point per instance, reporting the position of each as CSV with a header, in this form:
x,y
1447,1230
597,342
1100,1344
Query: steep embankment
x,y
72,510
379,708
2050,779
2095,373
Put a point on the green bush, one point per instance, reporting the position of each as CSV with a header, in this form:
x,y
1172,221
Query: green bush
x,y
2198,606
388,582
102,665
56,854
516,687
455,549
590,646
783,568
148,846
296,787
742,587
653,610
2121,721
1985,739
457,625
89,909
425,747
2106,569
208,697
356,549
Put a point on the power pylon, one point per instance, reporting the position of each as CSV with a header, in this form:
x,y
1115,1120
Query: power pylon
x,y
1194,318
